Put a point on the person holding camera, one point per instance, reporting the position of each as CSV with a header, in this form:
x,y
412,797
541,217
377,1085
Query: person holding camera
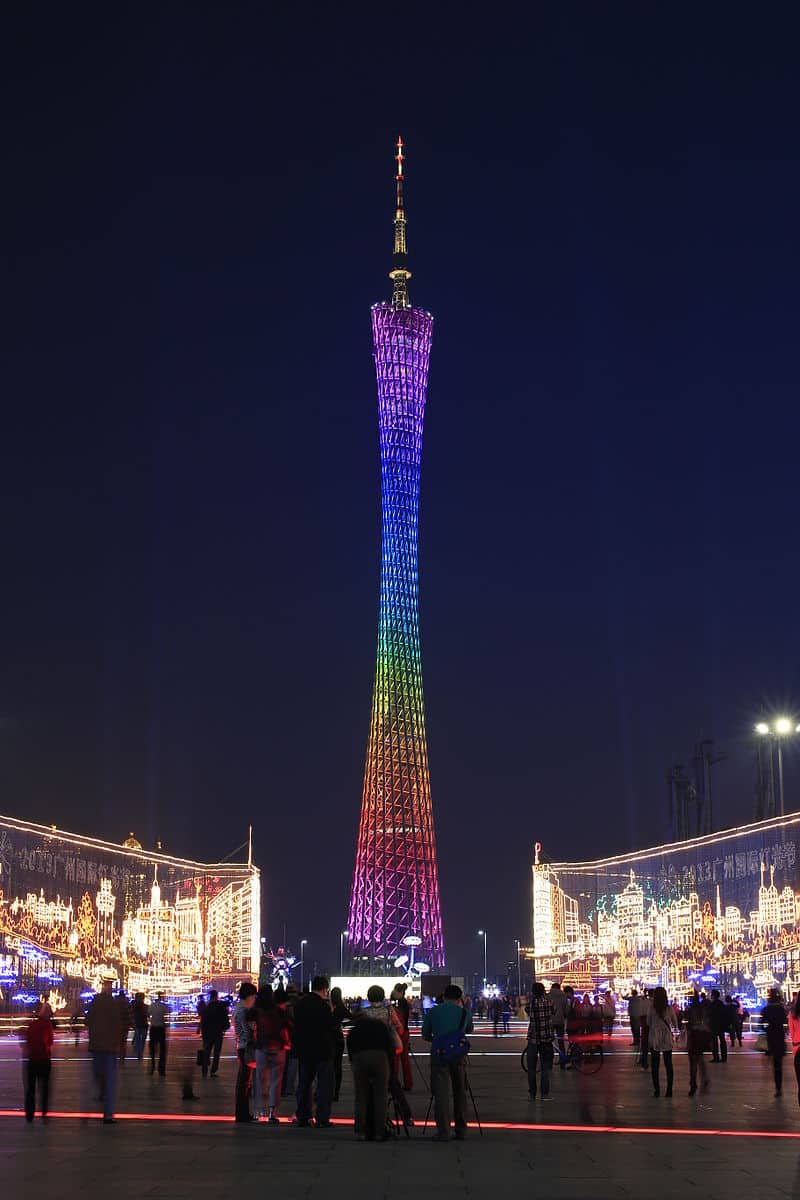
x,y
446,1026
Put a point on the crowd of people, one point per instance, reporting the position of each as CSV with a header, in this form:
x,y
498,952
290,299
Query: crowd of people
x,y
290,1047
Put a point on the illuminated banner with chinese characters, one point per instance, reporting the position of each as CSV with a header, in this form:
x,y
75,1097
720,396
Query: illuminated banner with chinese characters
x,y
716,909
75,910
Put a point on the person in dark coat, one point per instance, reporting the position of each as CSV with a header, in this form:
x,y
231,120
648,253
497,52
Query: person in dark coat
x,y
341,1016
315,1042
773,1019
371,1051
214,1021
719,1019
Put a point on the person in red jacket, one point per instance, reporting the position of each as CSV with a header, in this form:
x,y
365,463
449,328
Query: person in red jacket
x,y
38,1048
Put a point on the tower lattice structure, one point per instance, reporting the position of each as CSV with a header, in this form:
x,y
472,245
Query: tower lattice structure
x,y
395,886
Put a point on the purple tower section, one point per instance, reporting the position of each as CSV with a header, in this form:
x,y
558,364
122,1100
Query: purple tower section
x,y
395,894
396,888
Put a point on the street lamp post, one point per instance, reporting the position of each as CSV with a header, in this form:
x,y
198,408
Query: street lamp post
x,y
519,973
303,943
482,933
342,936
776,732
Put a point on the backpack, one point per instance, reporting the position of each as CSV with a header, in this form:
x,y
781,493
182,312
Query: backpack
x,y
451,1047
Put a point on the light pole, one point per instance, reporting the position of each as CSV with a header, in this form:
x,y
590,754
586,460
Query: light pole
x,y
776,732
482,933
519,973
303,943
342,936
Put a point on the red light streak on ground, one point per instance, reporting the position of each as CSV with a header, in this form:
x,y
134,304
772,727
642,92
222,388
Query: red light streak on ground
x,y
508,1126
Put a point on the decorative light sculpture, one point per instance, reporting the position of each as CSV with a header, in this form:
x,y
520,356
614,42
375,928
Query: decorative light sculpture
x,y
396,886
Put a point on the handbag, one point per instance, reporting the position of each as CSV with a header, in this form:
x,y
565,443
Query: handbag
x,y
451,1047
760,1043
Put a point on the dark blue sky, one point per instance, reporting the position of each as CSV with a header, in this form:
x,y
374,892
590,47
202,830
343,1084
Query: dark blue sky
x,y
603,220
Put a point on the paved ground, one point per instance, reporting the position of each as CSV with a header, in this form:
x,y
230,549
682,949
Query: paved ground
x,y
737,1139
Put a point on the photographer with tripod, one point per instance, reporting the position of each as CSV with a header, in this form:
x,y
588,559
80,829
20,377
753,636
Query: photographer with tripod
x,y
445,1027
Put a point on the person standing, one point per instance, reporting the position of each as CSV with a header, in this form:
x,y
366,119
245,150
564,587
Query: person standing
x,y
272,1039
773,1018
448,1072
403,1009
698,1041
102,1021
719,1017
214,1021
314,1041
38,1049
158,1013
139,1020
609,1013
371,1050
661,1034
540,1040
633,1016
645,1006
244,1031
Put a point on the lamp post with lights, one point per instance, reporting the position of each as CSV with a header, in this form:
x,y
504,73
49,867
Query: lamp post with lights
x,y
519,970
303,945
482,933
775,732
342,936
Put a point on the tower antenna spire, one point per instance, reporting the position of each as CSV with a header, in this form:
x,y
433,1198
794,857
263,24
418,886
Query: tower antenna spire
x,y
400,273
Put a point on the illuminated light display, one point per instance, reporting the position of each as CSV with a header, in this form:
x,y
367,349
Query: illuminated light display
x,y
501,1126
75,910
395,889
719,910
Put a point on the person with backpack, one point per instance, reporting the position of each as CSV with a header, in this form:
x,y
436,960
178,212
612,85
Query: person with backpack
x,y
38,1050
446,1027
540,1040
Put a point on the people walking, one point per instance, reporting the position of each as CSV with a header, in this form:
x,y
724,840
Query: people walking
x,y
314,1037
139,1020
214,1021
244,1028
371,1048
102,1021
506,1014
38,1050
698,1041
158,1013
773,1019
661,1034
272,1040
540,1040
287,1000
445,1026
719,1018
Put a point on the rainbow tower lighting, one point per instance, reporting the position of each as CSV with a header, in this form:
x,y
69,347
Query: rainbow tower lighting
x,y
395,892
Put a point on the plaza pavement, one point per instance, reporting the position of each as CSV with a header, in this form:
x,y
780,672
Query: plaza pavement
x,y
738,1140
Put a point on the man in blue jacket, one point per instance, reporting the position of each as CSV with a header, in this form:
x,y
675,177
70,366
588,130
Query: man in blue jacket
x,y
447,1018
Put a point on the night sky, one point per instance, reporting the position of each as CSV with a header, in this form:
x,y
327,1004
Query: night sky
x,y
603,218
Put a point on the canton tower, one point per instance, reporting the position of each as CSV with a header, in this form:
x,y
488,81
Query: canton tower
x,y
394,904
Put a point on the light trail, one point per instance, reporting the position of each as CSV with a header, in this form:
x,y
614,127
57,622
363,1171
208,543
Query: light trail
x,y
499,1126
